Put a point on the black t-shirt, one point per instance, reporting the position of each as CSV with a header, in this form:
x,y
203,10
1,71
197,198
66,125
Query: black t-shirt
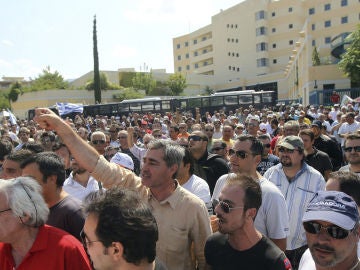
x,y
320,161
264,255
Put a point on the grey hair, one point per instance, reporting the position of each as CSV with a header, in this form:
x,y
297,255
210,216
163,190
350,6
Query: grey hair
x,y
24,197
173,153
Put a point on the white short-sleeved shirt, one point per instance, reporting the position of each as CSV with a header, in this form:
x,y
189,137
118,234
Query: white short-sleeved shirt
x,y
77,190
272,218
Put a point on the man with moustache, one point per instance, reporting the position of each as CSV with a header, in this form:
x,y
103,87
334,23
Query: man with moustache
x,y
272,219
238,245
298,182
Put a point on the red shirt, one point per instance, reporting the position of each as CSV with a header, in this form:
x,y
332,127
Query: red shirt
x,y
53,249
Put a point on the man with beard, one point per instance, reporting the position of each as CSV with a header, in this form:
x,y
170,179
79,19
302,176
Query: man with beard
x,y
272,219
79,183
238,245
352,153
331,222
298,182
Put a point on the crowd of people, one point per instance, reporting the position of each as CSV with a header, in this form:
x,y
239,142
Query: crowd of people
x,y
244,189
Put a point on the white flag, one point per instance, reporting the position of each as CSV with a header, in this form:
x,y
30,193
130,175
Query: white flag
x,y
66,108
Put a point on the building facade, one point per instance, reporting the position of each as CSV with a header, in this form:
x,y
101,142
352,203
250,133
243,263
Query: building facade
x,y
267,44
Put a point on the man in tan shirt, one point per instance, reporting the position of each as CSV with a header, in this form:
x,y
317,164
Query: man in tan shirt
x,y
182,218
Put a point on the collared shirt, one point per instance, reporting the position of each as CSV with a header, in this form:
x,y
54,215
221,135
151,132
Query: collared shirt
x,y
77,190
298,192
182,218
53,249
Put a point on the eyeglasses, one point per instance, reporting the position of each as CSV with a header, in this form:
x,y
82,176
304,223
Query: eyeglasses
x,y
195,138
285,150
122,137
225,207
211,130
240,154
334,231
95,142
217,148
267,145
84,241
32,201
349,149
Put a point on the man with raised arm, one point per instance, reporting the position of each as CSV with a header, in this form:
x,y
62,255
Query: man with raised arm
x,y
181,216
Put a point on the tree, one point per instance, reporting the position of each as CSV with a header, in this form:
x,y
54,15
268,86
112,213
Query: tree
x,y
350,60
104,83
128,93
48,80
176,83
208,90
97,89
315,57
144,81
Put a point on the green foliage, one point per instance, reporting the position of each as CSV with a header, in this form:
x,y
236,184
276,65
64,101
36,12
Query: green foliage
x,y
144,81
97,89
350,60
128,93
176,83
208,90
48,80
125,78
104,83
4,101
315,57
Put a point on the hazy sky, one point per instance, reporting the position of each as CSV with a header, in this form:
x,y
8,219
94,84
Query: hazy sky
x,y
35,34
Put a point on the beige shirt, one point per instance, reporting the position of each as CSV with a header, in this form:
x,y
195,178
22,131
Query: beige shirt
x,y
182,218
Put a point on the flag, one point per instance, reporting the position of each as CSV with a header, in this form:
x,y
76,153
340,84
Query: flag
x,y
66,108
12,117
346,100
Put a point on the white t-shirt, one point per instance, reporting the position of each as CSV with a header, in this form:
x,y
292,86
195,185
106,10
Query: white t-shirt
x,y
199,187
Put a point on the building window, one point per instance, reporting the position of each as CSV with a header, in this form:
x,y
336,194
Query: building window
x,y
232,40
179,57
344,19
327,7
313,43
260,31
344,3
274,61
186,44
237,55
179,69
237,40
233,54
205,63
232,26
311,11
227,25
327,23
313,26
203,38
273,14
195,41
228,40
233,68
327,40
204,51
178,46
260,15
195,53
273,30
290,26
229,54
235,25
262,62
291,42
238,69
229,67
196,65
261,47
290,9
274,45
187,55
187,67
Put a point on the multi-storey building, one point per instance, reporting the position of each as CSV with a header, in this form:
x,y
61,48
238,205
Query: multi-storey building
x,y
268,44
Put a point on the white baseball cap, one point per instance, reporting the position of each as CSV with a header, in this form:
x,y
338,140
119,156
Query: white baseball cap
x,y
123,160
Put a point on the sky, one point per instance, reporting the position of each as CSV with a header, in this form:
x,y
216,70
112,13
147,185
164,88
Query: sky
x,y
131,34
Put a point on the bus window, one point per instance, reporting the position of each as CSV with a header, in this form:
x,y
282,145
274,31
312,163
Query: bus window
x,y
230,100
245,99
194,102
136,106
217,101
166,105
205,102
183,104
267,97
257,99
148,106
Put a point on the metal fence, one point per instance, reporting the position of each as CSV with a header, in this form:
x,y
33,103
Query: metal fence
x,y
322,97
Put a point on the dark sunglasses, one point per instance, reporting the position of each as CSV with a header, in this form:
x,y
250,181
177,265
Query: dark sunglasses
x,y
209,130
334,231
267,145
349,149
95,142
225,207
285,150
195,138
217,148
240,154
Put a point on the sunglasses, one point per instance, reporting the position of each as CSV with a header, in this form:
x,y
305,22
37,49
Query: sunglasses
x,y
240,154
285,150
334,231
217,148
209,130
349,149
225,207
267,145
95,142
195,138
